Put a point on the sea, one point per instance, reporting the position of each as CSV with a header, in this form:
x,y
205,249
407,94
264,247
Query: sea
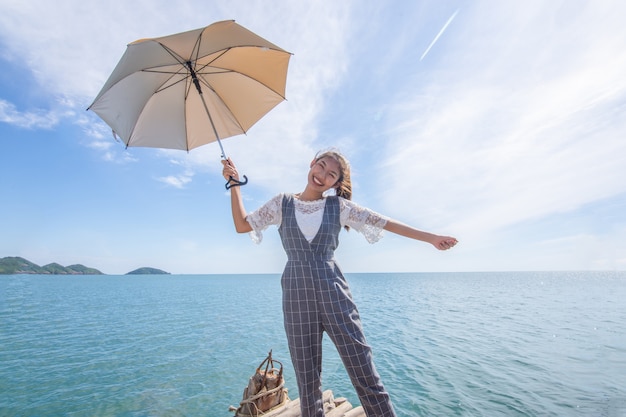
x,y
446,344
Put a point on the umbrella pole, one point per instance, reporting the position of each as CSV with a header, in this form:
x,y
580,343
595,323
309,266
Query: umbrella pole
x,y
219,142
231,181
196,82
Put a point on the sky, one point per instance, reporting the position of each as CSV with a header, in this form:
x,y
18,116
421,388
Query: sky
x,y
502,124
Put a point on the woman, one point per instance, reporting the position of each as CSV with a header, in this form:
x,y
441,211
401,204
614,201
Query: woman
x,y
316,296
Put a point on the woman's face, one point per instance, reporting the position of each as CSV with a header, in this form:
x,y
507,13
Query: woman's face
x,y
324,173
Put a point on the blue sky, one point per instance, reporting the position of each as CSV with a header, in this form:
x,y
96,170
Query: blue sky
x,y
500,123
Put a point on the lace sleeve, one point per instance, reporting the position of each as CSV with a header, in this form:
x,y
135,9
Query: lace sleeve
x,y
266,215
363,220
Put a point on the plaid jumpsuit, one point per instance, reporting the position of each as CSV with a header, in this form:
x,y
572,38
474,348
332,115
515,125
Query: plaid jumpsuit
x,y
316,298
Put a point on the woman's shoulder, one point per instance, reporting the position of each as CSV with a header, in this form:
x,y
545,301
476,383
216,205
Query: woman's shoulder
x,y
285,196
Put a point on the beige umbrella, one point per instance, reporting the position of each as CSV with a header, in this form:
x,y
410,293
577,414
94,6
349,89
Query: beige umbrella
x,y
188,89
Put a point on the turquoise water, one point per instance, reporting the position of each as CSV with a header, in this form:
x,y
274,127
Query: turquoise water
x,y
458,344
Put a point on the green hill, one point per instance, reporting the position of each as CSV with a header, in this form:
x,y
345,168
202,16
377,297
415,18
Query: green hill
x,y
12,265
17,265
147,271
83,270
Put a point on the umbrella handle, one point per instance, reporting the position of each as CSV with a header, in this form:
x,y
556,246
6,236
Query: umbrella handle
x,y
235,183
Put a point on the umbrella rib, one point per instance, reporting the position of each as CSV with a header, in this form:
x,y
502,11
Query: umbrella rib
x,y
227,70
224,71
207,84
188,64
165,85
180,60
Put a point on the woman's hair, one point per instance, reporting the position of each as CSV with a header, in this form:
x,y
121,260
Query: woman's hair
x,y
343,188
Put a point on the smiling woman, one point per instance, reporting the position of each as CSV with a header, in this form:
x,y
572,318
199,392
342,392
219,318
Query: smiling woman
x,y
330,170
316,295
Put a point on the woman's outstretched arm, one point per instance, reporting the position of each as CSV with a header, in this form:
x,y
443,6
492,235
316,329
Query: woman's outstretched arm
x,y
439,242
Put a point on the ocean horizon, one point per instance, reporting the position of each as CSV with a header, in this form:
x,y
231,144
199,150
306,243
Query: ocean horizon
x,y
445,344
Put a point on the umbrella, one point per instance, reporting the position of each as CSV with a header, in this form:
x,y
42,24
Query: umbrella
x,y
188,89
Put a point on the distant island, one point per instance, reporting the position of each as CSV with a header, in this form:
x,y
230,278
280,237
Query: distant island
x,y
147,271
14,265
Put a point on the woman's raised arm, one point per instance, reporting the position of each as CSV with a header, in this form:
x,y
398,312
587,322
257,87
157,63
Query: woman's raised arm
x,y
236,202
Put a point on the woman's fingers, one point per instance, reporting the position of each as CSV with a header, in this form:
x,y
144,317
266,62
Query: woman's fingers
x,y
229,169
447,243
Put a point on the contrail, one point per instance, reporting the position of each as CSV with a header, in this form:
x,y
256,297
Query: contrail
x,y
440,33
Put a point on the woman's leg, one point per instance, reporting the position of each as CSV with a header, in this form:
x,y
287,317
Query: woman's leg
x,y
304,336
343,324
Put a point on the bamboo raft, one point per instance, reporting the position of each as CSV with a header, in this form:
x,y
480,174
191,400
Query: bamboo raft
x,y
267,396
333,407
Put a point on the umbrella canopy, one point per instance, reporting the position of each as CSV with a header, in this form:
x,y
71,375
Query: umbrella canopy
x,y
188,89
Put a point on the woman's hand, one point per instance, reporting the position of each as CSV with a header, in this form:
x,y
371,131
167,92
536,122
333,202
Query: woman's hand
x,y
230,170
444,242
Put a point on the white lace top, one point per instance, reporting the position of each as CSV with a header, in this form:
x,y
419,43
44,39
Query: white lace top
x,y
309,218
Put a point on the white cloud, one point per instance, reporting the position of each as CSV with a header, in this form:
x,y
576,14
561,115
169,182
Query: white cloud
x,y
37,119
177,181
523,117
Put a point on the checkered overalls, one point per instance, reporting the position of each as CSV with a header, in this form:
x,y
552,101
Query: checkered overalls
x,y
316,298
